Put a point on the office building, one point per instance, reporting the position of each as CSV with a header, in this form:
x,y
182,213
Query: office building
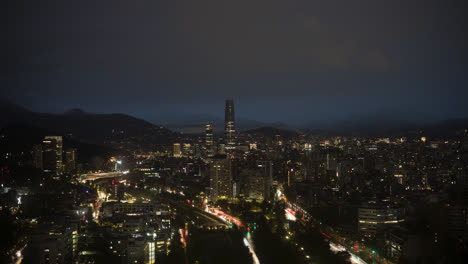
x,y
209,138
220,177
255,184
373,215
229,125
177,150
70,160
53,243
266,168
37,157
117,192
52,155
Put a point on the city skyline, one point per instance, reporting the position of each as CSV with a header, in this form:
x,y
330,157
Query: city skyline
x,y
234,132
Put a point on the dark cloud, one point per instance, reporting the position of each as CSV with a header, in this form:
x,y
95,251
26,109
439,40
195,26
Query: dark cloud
x,y
307,59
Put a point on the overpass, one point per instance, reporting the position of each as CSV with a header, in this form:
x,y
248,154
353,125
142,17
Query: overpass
x,y
97,176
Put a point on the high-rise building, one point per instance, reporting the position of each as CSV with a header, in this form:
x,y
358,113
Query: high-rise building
x,y
70,160
255,183
220,177
52,155
53,243
221,149
37,156
150,254
229,125
116,190
187,149
177,150
209,138
267,175
373,215
197,151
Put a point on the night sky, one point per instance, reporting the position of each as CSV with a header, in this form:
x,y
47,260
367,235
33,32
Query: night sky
x,y
287,61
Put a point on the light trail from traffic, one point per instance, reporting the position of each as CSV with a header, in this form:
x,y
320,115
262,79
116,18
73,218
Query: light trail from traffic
x,y
248,243
339,248
97,176
335,247
226,218
290,215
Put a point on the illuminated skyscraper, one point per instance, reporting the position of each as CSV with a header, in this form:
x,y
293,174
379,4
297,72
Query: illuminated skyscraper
x,y
209,135
229,126
52,155
220,177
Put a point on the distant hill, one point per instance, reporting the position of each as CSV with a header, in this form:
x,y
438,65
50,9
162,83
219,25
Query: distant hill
x,y
100,128
94,128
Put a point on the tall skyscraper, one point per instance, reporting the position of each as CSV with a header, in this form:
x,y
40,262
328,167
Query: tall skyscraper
x,y
37,156
70,160
267,175
229,125
209,134
209,138
220,177
52,155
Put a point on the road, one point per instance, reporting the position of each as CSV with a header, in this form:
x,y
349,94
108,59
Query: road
x,y
230,219
96,176
212,217
334,246
209,218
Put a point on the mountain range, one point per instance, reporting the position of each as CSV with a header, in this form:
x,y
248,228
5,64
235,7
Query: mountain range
x,y
88,127
97,128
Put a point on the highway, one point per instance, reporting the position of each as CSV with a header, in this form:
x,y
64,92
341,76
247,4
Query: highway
x,y
290,213
96,176
229,219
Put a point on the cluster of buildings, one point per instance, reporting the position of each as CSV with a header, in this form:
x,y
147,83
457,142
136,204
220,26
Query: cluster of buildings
x,y
93,227
138,231
366,188
227,177
408,195
52,158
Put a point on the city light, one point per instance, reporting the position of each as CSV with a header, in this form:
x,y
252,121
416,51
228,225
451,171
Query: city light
x,y
217,186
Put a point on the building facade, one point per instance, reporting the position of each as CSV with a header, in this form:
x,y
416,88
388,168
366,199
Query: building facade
x,y
220,177
372,216
52,147
209,139
229,125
